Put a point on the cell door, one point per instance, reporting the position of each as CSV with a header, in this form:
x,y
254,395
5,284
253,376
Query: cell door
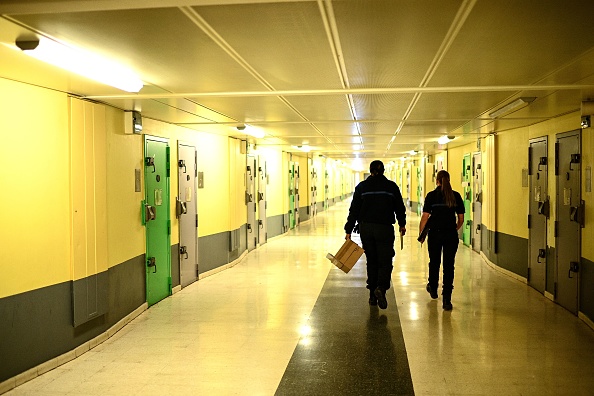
x,y
477,204
262,182
296,192
313,191
156,219
326,190
537,213
252,233
187,214
467,197
569,218
291,195
419,192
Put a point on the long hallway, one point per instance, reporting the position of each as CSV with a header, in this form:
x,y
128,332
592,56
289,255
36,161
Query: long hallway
x,y
285,321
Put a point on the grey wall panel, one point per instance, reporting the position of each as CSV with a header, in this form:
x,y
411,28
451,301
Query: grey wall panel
x,y
213,251
175,278
303,213
243,235
275,225
414,206
320,207
37,325
513,254
89,297
586,290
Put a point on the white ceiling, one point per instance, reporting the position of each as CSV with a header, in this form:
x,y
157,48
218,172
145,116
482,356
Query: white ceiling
x,y
304,71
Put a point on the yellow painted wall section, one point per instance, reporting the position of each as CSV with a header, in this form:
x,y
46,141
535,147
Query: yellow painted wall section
x,y
35,199
588,197
237,184
489,169
88,186
125,232
414,182
512,199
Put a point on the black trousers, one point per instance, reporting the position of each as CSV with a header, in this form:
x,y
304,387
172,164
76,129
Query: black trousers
x,y
378,243
446,242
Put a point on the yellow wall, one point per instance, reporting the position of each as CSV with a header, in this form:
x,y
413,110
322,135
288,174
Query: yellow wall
x,y
125,232
35,201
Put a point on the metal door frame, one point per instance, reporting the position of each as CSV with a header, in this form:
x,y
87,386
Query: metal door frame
x,y
541,209
477,201
578,239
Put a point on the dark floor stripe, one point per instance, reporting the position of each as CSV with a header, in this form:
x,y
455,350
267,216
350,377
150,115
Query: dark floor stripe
x,y
354,349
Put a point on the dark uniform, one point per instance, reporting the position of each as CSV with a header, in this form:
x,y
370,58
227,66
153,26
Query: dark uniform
x,y
375,201
443,236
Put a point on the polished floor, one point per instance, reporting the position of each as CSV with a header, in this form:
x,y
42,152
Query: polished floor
x,y
285,321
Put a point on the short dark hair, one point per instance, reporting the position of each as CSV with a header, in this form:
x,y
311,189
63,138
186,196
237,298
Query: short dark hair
x,y
376,167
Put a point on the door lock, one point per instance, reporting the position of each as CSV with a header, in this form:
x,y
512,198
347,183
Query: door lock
x,y
261,223
149,213
182,164
151,262
183,250
180,208
542,253
573,267
249,227
150,161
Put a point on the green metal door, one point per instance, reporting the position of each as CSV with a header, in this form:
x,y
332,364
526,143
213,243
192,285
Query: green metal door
x,y
467,197
156,218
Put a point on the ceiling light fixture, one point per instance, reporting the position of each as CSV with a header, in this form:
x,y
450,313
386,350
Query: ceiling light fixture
x,y
250,130
445,139
512,106
81,63
413,152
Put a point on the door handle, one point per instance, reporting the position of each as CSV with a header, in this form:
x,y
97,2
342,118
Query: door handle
x,y
249,227
151,262
182,164
573,267
150,161
478,228
261,223
149,213
541,254
180,208
183,250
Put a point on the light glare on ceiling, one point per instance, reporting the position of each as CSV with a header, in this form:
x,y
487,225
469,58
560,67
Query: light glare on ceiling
x,y
82,63
512,106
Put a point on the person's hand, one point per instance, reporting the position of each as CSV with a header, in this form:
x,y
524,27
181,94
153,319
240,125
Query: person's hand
x,y
347,237
402,230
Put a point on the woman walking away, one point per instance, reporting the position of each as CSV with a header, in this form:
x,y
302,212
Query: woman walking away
x,y
446,209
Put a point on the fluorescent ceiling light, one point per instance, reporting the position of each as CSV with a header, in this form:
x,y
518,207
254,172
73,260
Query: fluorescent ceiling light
x,y
512,106
445,139
82,63
250,130
305,148
413,152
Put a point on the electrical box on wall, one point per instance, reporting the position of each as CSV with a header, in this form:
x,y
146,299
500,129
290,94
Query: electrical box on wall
x,y
132,122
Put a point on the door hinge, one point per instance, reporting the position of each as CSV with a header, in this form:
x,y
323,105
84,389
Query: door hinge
x,y
556,229
555,290
168,227
196,220
168,160
529,218
170,285
528,275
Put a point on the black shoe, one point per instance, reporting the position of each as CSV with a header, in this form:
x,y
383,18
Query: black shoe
x,y
381,298
372,298
431,291
447,305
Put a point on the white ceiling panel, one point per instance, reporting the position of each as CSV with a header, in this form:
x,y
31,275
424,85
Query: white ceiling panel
x,y
292,68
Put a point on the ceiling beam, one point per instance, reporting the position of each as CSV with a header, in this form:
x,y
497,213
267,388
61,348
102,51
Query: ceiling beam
x,y
353,91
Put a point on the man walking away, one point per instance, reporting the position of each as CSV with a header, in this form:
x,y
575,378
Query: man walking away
x,y
375,202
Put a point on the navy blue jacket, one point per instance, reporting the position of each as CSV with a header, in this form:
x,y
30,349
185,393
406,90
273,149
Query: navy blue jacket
x,y
376,200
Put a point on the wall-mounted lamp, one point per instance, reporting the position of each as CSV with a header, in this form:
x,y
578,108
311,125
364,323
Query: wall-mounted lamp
x,y
512,106
81,63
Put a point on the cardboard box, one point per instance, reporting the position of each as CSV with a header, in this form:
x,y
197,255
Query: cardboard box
x,y
347,256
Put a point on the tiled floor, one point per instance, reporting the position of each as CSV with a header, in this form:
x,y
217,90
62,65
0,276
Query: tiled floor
x,y
234,333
